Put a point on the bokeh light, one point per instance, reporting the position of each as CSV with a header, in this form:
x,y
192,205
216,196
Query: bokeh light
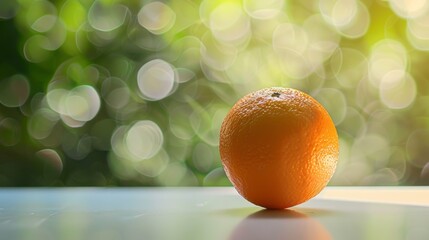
x,y
144,139
263,9
14,91
132,93
106,17
156,79
409,9
156,17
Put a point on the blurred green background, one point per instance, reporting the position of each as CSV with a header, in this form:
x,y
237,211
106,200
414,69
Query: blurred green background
x,y
129,93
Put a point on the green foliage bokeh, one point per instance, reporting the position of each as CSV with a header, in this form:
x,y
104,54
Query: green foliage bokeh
x,y
131,93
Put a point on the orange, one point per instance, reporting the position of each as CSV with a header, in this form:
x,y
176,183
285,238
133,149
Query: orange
x,y
279,147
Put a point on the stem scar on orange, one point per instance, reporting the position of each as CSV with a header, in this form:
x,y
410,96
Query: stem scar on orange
x,y
279,147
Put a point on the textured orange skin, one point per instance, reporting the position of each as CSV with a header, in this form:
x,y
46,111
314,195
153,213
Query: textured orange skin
x,y
279,147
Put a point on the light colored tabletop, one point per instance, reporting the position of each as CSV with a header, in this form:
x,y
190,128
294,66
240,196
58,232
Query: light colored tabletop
x,y
211,213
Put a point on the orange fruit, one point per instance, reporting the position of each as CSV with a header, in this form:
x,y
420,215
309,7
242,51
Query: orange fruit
x,y
279,147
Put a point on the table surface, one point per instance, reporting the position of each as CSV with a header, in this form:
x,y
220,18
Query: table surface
x,y
211,213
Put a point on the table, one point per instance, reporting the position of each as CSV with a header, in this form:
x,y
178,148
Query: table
x,y
210,213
